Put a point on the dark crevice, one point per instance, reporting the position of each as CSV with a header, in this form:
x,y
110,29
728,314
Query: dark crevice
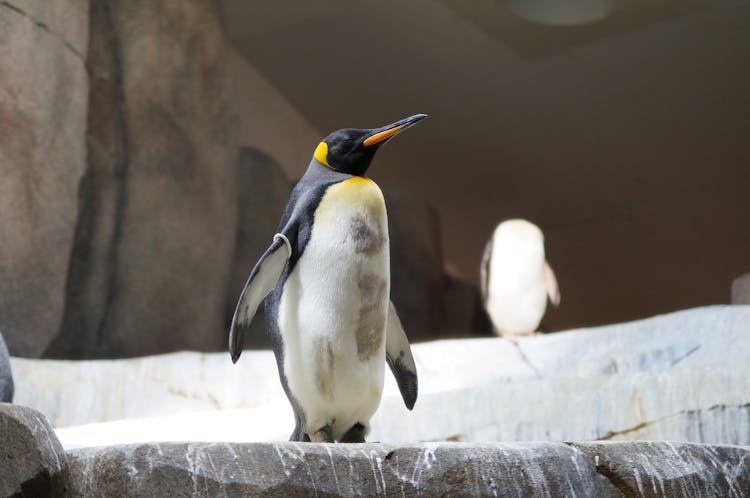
x,y
679,359
42,484
619,482
610,434
102,198
120,167
711,408
526,360
43,27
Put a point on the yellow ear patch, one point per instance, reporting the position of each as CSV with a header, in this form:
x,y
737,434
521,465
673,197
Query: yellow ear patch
x,y
321,153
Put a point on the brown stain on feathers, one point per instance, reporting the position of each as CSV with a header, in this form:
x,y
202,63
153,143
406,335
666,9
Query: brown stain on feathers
x,y
367,240
372,315
325,363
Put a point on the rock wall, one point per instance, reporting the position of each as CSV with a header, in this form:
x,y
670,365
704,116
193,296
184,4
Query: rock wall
x,y
43,102
144,163
179,213
120,125
32,458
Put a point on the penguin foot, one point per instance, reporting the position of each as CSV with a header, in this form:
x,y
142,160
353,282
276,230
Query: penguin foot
x,y
514,338
299,436
322,435
354,435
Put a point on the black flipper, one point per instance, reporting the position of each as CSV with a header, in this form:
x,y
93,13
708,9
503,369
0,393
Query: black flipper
x,y
399,358
262,280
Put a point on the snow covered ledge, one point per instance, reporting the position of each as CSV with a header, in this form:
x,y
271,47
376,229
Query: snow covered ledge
x,y
683,376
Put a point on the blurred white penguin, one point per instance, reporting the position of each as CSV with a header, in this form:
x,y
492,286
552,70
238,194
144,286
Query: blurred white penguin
x,y
516,279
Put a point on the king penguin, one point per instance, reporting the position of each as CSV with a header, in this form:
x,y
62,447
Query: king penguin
x,y
516,279
326,283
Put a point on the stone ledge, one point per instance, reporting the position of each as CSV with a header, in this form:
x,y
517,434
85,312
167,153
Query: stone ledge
x,y
32,463
434,469
31,457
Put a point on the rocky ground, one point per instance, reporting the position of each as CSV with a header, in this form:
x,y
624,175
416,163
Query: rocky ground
x,y
40,467
192,424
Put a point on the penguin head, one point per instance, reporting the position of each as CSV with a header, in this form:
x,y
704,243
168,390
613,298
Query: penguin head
x,y
351,150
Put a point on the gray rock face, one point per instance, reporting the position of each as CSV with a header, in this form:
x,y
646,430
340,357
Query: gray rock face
x,y
436,469
6,376
102,197
660,468
43,101
177,219
119,127
153,247
741,289
32,458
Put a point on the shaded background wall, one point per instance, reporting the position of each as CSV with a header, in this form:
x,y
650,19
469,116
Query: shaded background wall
x,y
146,150
625,139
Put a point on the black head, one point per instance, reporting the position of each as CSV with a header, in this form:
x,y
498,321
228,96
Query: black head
x,y
351,150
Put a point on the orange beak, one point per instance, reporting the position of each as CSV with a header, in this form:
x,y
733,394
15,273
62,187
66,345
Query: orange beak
x,y
380,135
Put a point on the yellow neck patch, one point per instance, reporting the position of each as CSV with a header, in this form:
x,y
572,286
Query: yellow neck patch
x,y
359,181
353,195
321,154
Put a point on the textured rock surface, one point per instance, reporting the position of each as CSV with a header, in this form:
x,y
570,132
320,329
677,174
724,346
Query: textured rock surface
x,y
170,103
661,468
34,464
263,194
90,287
179,211
288,469
43,101
682,376
31,458
741,289
6,375
445,469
